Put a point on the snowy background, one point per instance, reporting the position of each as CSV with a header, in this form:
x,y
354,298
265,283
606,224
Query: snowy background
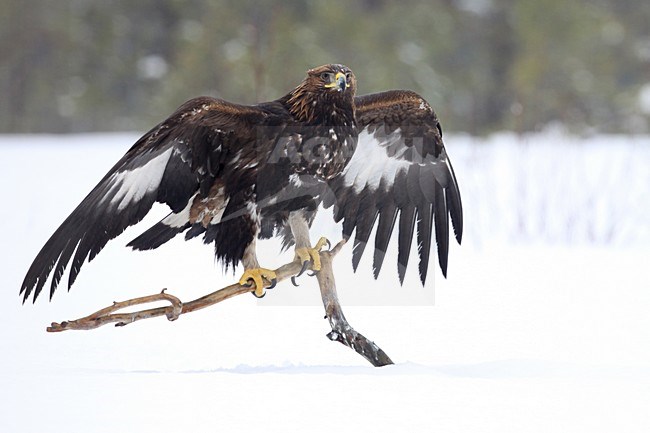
x,y
543,324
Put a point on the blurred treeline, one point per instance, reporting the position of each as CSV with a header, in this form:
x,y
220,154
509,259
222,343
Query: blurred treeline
x,y
485,65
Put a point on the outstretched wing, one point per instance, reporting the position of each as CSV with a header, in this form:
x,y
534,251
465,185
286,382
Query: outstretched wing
x,y
169,164
399,175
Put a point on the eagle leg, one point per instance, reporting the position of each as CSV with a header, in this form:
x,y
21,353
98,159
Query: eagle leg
x,y
257,276
304,252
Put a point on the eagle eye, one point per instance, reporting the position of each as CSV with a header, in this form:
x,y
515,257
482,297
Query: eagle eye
x,y
348,76
326,76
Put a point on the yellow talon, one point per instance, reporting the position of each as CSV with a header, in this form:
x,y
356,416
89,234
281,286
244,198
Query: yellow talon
x,y
312,254
258,275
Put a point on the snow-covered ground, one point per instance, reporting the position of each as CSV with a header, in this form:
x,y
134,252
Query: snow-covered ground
x,y
543,324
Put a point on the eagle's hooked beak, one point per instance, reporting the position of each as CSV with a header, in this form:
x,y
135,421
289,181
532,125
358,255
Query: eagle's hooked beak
x,y
340,82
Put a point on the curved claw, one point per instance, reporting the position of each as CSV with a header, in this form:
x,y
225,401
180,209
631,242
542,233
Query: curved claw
x,y
274,282
303,269
329,244
312,273
260,296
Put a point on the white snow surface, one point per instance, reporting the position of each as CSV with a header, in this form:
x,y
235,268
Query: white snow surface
x,y
541,326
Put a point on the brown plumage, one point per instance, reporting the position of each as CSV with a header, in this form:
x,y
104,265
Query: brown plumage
x,y
415,188
233,173
300,100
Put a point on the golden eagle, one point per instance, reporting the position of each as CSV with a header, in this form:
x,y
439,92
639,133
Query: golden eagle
x,y
235,173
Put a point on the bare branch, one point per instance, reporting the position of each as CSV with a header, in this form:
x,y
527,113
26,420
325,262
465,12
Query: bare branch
x,y
107,315
341,329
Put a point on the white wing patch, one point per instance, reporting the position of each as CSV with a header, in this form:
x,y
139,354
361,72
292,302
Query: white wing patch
x,y
370,162
132,185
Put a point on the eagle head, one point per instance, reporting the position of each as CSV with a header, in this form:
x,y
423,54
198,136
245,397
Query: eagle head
x,y
333,77
327,85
